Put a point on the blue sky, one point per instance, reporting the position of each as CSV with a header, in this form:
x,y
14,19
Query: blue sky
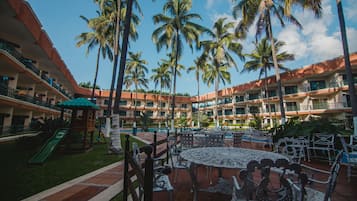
x,y
318,41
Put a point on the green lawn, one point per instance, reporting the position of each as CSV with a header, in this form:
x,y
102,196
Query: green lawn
x,y
20,180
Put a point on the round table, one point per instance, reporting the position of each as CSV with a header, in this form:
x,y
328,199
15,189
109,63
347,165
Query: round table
x,y
227,157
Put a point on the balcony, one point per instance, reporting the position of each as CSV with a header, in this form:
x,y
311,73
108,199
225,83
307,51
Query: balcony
x,y
13,93
29,64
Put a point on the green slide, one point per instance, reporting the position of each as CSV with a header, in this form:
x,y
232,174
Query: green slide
x,y
49,146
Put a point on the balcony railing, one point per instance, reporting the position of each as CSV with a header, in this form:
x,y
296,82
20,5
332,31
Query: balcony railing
x,y
13,93
28,63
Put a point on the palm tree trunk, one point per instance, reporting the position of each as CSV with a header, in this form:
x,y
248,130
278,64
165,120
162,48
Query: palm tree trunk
x,y
216,99
277,73
96,74
124,49
160,107
174,88
115,63
267,96
198,100
136,97
351,86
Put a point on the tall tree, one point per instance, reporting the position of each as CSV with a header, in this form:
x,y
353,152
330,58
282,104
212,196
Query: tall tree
x,y
113,11
200,65
135,75
261,59
97,37
263,9
351,85
175,25
218,49
161,78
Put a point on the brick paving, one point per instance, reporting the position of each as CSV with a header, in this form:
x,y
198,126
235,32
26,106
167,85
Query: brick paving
x,y
89,188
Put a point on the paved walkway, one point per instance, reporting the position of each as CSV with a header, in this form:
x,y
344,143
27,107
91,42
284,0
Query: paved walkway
x,y
102,184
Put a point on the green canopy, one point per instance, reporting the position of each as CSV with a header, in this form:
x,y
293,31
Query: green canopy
x,y
78,103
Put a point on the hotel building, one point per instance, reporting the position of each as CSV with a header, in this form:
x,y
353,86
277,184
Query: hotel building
x,y
34,78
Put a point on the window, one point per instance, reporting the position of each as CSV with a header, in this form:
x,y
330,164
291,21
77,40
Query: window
x,y
137,113
219,112
253,96
209,113
271,93
344,77
122,113
123,102
105,112
150,104
163,104
240,110
318,84
291,89
106,101
228,112
272,106
183,114
184,105
150,113
227,100
291,106
319,104
137,103
239,99
228,121
162,114
253,109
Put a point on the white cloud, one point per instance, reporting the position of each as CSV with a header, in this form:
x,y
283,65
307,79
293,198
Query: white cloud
x,y
229,17
210,3
350,8
324,47
294,42
352,39
315,41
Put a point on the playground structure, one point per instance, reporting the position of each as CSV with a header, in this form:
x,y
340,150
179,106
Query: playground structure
x,y
78,137
82,127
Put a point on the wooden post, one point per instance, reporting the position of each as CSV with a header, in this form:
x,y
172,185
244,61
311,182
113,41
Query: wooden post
x,y
167,147
155,142
149,174
126,168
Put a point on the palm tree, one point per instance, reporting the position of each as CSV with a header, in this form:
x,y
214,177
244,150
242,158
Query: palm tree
x,y
218,50
263,9
200,65
261,60
135,74
351,87
111,22
175,26
161,77
95,38
127,31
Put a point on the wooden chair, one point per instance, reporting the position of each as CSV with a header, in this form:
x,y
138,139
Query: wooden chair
x,y
148,180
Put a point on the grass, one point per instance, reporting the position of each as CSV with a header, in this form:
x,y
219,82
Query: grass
x,y
20,180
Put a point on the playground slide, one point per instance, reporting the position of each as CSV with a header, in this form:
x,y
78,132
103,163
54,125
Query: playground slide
x,y
49,146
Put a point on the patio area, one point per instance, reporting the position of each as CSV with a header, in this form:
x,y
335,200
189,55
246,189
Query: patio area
x,y
344,191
